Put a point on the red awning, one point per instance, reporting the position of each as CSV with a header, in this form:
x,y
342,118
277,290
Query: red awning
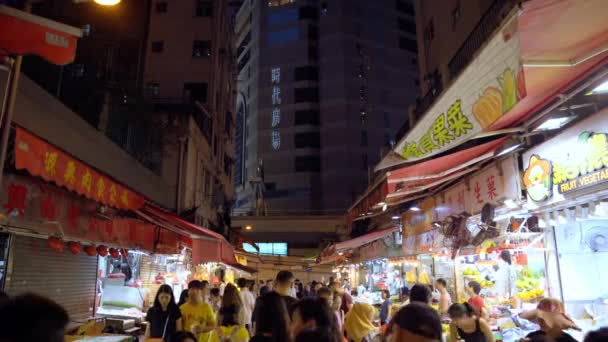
x,y
170,218
209,250
562,42
419,176
364,239
23,33
409,182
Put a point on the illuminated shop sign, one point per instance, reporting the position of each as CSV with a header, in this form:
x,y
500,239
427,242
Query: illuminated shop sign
x,y
275,79
582,164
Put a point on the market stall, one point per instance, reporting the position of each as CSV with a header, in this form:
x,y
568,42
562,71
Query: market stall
x,y
566,179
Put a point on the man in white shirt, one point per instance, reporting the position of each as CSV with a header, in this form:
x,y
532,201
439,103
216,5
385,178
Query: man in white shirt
x,y
248,300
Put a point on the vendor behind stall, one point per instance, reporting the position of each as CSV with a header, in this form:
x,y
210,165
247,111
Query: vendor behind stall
x,y
475,300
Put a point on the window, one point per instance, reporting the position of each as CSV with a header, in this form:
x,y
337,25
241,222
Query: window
x,y
243,44
308,12
308,140
161,7
364,163
244,61
158,46
307,117
406,25
152,89
313,32
363,138
204,8
387,140
195,92
268,248
201,49
283,36
408,44
307,94
456,15
313,53
77,70
308,164
404,7
283,17
429,32
306,73
324,8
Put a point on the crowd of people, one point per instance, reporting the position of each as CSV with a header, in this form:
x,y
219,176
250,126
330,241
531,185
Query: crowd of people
x,y
285,310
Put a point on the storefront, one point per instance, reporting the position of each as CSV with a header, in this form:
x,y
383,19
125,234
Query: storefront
x,y
566,179
60,221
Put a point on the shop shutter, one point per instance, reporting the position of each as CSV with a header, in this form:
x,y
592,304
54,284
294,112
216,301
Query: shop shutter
x,y
68,279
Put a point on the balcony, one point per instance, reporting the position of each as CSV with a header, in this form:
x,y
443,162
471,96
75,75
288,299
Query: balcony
x,y
485,28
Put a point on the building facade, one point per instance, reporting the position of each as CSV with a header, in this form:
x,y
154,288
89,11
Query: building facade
x,y
321,87
189,79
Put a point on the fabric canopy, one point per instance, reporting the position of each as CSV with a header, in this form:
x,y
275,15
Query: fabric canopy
x,y
418,176
209,250
23,33
364,239
334,252
176,220
410,181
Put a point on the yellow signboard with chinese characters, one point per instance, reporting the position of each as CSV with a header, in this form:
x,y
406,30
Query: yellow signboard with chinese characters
x,y
241,260
487,89
573,161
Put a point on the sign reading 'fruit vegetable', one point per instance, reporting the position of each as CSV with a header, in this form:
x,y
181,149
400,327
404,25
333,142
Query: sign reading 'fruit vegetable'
x,y
487,89
574,160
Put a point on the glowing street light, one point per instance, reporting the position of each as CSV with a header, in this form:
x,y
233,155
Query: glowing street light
x,y
107,2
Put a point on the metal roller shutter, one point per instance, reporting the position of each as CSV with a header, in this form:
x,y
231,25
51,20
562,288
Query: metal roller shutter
x,y
68,279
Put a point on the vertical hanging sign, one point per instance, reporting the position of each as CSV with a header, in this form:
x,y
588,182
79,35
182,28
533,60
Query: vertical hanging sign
x,y
275,79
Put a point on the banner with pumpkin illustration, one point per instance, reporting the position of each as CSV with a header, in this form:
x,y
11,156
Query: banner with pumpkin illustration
x,y
487,88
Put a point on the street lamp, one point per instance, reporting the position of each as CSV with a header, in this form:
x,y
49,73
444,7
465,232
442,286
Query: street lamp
x,y
101,2
8,104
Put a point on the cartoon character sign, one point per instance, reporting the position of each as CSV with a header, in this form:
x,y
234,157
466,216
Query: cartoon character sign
x,y
538,179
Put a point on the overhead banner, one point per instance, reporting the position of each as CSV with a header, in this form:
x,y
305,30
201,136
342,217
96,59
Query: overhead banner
x,y
487,89
574,162
46,161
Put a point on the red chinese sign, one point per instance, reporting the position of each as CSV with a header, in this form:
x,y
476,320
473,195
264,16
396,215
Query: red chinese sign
x,y
42,159
48,209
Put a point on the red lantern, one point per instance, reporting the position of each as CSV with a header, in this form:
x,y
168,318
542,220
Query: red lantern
x,y
114,253
124,252
102,250
74,247
90,250
56,244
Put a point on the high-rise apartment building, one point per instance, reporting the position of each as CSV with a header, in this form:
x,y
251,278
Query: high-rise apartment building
x,y
322,88
189,77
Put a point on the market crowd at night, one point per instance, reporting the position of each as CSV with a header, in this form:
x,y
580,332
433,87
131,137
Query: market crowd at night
x,y
303,170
